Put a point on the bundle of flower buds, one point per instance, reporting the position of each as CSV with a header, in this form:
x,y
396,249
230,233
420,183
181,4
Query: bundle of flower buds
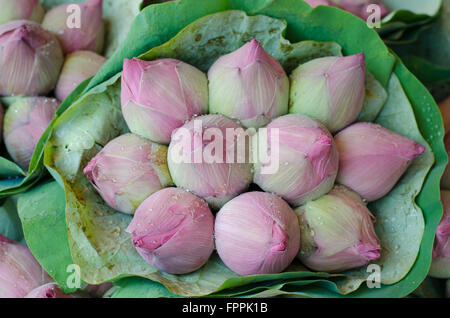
x,y
34,65
265,128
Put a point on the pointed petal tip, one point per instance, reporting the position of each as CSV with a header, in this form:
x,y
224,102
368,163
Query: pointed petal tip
x,y
4,239
370,251
358,59
325,139
254,43
419,149
88,170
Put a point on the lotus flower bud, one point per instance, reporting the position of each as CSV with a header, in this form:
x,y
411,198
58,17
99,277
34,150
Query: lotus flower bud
x,y
20,273
329,89
25,122
308,158
440,266
199,159
30,59
127,170
173,231
248,85
21,10
372,158
360,8
77,67
85,31
159,96
315,3
337,232
257,233
50,290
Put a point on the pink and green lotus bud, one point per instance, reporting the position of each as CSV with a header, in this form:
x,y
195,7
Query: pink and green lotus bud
x,y
25,122
78,26
21,10
173,230
308,160
248,85
50,290
329,89
440,266
337,232
20,273
30,59
78,66
372,158
362,8
316,3
201,159
127,170
257,233
160,96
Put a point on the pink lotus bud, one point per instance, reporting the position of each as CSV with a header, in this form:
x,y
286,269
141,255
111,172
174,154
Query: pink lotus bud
x,y
329,89
257,233
21,10
372,158
20,273
50,290
440,267
25,122
85,31
337,232
30,59
308,160
248,85
173,230
77,67
159,96
127,170
315,3
199,159
361,8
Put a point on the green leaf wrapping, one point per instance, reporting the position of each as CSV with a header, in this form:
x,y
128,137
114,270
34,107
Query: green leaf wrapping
x,y
10,225
42,213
